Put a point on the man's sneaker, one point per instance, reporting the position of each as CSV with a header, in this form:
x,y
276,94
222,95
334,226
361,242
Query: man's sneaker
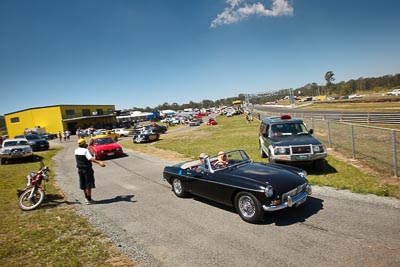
x,y
88,202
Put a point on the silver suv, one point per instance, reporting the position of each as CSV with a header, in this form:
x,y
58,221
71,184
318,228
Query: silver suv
x,y
15,148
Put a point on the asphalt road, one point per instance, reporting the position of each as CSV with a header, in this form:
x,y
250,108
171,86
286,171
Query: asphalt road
x,y
142,215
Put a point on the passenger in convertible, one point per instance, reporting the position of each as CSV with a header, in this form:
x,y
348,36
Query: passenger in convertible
x,y
202,167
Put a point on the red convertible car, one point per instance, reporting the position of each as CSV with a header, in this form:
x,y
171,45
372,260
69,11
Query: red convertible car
x,y
104,147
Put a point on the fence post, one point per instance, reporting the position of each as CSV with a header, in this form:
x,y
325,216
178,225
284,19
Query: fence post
x,y
329,134
394,153
352,142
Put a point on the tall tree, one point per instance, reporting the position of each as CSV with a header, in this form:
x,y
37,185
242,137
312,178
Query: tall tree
x,y
329,79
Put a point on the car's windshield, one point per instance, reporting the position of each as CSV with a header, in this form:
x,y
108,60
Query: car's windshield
x,y
288,129
15,143
32,137
233,158
104,141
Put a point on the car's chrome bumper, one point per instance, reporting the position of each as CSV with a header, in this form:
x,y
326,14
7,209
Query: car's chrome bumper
x,y
14,155
291,202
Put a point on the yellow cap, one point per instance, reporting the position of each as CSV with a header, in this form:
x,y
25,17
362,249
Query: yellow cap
x,y
81,141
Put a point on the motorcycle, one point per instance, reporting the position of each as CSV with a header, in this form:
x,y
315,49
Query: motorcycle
x,y
33,195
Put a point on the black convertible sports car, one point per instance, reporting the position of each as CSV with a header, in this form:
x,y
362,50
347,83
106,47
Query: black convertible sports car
x,y
251,187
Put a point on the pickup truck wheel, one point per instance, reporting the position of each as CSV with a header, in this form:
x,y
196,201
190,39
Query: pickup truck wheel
x,y
178,188
248,207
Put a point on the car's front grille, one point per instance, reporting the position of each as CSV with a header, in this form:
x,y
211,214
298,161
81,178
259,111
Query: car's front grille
x,y
301,149
294,192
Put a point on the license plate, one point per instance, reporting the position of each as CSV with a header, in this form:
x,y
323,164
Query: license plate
x,y
301,157
301,202
110,154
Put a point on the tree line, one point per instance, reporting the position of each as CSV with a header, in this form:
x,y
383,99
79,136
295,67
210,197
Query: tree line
x,y
343,88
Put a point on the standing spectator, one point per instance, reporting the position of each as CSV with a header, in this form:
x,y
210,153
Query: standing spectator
x,y
60,136
84,161
68,133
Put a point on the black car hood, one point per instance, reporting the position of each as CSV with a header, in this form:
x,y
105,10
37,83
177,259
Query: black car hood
x,y
282,178
294,140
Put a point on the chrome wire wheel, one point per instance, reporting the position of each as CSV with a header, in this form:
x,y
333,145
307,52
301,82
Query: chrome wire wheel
x,y
247,206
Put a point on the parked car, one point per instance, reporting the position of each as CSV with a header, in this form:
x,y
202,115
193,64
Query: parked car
x,y
211,121
154,127
15,148
122,131
106,133
251,187
104,147
194,122
355,96
306,99
395,92
35,141
146,136
47,136
286,139
158,128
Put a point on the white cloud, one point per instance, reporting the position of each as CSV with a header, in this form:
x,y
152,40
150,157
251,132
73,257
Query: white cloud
x,y
240,9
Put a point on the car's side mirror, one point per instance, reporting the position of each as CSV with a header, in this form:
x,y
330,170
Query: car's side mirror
x,y
311,131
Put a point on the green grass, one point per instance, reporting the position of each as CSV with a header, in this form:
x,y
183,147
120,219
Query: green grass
x,y
233,133
53,235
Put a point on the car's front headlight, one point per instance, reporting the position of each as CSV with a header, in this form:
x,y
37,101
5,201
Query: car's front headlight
x,y
281,150
269,191
318,149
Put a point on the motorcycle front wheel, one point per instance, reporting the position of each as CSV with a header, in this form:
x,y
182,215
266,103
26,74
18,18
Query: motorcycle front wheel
x,y
29,204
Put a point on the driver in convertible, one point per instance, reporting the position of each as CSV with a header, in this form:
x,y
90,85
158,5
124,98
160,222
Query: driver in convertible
x,y
222,161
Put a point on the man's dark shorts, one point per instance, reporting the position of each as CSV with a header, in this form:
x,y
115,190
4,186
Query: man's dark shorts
x,y
86,178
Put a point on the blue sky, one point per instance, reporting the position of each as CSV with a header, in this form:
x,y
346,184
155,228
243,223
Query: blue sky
x,y
139,53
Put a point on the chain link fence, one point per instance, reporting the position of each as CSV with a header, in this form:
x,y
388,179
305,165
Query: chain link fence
x,y
375,146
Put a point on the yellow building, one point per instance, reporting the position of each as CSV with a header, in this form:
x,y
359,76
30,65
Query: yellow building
x,y
52,119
